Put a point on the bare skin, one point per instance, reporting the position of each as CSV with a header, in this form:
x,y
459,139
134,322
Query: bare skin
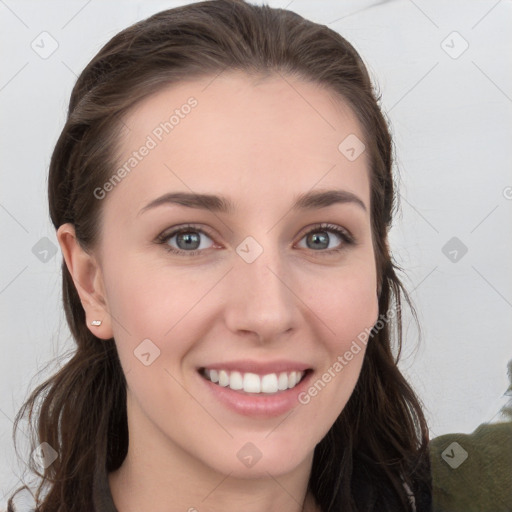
x,y
260,143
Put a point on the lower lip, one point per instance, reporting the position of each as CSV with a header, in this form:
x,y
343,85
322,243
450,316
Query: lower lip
x,y
261,405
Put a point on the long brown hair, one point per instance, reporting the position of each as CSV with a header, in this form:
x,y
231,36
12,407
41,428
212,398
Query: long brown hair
x,y
375,456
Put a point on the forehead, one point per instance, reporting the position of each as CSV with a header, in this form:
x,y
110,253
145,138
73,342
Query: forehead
x,y
256,137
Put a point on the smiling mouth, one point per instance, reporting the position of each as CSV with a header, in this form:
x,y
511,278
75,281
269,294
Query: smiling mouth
x,y
247,382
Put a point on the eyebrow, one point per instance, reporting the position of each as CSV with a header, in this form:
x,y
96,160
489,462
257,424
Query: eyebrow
x,y
220,204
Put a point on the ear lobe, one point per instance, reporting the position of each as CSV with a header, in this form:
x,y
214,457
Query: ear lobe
x,y
88,280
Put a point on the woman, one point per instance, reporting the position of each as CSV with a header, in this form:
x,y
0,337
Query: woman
x,y
222,193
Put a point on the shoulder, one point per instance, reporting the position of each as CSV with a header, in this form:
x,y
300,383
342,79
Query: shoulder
x,y
472,471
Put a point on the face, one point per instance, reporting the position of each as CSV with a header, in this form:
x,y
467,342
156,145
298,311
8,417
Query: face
x,y
256,291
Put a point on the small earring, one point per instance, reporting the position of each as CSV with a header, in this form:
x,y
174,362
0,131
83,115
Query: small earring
x,y
96,323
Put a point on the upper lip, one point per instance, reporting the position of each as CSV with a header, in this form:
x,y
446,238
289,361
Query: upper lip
x,y
259,367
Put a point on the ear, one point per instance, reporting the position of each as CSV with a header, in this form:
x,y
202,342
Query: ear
x,y
88,279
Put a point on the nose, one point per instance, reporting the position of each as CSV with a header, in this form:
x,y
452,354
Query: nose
x,y
261,300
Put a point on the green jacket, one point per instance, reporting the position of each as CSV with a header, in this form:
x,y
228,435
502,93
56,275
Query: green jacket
x,y
473,472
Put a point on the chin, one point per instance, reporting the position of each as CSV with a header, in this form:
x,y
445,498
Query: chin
x,y
260,458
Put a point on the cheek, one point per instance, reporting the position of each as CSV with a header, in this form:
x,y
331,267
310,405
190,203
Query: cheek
x,y
142,308
348,309
149,326
346,304
147,300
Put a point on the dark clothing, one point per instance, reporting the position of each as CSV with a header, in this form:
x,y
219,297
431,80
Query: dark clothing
x,y
101,495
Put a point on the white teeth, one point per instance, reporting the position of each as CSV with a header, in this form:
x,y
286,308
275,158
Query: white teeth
x,y
269,383
282,383
223,378
236,381
253,383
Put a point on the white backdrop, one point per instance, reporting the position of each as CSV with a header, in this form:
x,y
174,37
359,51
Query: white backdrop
x,y
443,70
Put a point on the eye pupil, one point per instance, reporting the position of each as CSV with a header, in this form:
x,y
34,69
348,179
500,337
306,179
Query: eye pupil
x,y
320,239
190,239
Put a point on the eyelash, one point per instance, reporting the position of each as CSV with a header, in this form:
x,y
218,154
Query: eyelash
x,y
164,237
